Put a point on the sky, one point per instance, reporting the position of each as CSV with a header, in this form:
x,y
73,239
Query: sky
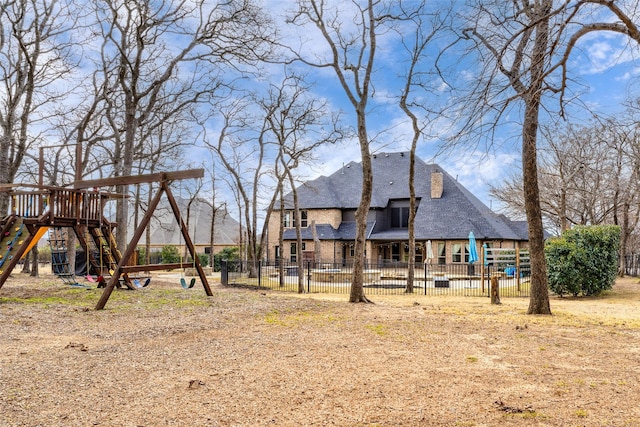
x,y
605,71
604,68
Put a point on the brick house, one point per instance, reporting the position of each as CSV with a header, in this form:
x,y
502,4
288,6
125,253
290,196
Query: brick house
x,y
446,213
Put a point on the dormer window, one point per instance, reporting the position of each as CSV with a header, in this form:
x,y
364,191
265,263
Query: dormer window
x,y
289,220
398,211
400,217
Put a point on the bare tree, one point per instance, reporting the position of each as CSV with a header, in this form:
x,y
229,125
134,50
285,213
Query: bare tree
x,y
243,151
587,176
525,46
149,79
417,83
299,124
351,58
35,48
218,211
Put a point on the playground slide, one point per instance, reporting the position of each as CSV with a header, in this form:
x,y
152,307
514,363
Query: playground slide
x,y
41,232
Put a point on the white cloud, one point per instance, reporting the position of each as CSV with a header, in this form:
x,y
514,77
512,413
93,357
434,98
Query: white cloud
x,y
604,51
476,171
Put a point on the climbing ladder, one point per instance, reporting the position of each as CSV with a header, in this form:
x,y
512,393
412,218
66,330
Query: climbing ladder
x,y
106,248
103,254
59,260
12,239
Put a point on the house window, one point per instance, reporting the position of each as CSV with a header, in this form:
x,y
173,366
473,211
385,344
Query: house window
x,y
442,253
400,217
395,251
289,220
456,252
460,252
419,255
294,251
277,253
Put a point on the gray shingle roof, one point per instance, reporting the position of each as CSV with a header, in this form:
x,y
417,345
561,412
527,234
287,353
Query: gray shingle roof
x,y
452,216
165,230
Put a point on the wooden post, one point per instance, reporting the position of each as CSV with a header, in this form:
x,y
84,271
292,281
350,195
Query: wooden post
x,y
495,289
517,274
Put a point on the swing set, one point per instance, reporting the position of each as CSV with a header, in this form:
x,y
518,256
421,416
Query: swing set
x,y
82,210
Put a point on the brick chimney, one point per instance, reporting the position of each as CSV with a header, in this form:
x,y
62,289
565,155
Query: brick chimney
x,y
436,185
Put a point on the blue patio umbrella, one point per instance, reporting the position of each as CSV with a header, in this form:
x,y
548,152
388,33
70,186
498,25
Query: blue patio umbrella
x,y
473,251
484,249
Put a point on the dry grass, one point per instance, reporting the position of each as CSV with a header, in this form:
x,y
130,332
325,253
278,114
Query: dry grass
x,y
165,356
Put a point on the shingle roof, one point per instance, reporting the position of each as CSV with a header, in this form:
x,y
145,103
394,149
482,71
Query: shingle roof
x,y
165,230
346,231
452,216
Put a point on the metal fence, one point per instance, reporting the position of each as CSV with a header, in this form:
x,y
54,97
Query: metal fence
x,y
632,265
378,279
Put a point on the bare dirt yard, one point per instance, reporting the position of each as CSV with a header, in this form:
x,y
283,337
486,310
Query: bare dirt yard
x,y
164,356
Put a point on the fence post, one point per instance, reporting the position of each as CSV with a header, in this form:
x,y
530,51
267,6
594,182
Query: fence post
x,y
224,272
259,273
425,278
308,276
495,289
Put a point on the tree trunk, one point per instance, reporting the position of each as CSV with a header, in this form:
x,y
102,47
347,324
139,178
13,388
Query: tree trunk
x,y
26,266
34,262
357,289
539,299
5,141
280,258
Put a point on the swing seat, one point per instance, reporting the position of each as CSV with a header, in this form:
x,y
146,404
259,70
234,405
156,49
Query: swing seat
x,y
186,285
142,285
91,279
80,285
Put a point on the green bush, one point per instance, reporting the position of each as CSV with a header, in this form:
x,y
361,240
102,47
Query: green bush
x,y
584,260
204,259
44,254
562,268
170,254
142,254
231,254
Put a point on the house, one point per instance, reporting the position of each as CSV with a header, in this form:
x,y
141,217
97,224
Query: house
x,y
446,213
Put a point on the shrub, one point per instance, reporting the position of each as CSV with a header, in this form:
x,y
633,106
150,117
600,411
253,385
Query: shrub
x,y
562,268
142,254
204,259
169,254
231,254
584,260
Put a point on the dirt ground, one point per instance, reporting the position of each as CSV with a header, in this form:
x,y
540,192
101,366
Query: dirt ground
x,y
164,356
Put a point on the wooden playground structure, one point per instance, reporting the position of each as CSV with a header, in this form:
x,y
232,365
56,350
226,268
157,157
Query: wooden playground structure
x,y
35,209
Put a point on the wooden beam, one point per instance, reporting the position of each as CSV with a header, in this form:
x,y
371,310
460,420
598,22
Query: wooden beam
x,y
154,267
124,259
139,179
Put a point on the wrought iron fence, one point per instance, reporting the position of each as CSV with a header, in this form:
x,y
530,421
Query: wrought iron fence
x,y
378,279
